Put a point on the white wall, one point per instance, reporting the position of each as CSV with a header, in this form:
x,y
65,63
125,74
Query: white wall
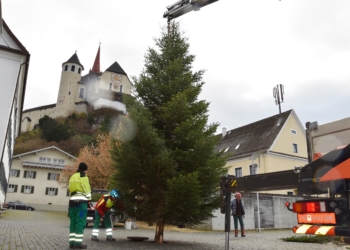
x,y
282,217
100,103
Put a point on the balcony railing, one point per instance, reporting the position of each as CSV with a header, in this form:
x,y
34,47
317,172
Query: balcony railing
x,y
31,164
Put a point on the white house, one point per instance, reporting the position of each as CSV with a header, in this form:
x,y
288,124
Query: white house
x,y
34,179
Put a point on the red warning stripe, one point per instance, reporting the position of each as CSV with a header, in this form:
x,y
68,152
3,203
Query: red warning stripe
x,y
311,229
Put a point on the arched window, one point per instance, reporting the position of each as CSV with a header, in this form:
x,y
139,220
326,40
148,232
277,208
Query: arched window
x,y
66,68
79,71
81,93
72,68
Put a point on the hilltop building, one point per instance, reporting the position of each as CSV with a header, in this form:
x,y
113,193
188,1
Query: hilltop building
x,y
77,93
14,63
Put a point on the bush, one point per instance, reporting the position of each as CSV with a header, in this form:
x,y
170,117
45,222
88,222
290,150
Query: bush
x,y
53,130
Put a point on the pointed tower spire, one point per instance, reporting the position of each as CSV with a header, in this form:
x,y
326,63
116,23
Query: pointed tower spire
x,y
96,67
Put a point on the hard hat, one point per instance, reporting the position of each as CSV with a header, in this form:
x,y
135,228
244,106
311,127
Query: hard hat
x,y
114,193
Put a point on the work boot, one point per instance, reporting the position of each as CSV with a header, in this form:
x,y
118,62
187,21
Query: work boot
x,y
110,238
242,232
81,246
236,232
94,238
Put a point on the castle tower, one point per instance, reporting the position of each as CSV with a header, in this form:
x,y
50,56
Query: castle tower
x,y
70,90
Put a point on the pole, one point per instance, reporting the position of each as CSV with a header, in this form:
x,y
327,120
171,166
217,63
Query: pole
x,y
227,219
258,208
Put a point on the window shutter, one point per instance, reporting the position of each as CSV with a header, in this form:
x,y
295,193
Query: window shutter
x,y
48,176
25,174
18,172
16,186
47,191
22,189
56,191
34,175
32,188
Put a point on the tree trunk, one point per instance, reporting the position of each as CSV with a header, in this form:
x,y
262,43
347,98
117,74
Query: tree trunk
x,y
159,236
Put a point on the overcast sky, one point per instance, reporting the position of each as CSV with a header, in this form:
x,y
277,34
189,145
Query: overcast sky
x,y
247,47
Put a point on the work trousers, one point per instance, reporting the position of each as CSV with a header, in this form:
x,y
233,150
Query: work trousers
x,y
106,221
237,218
77,216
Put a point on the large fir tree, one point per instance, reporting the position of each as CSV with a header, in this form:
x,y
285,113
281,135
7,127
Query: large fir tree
x,y
169,170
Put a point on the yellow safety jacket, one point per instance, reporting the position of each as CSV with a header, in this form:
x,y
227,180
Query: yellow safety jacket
x,y
79,187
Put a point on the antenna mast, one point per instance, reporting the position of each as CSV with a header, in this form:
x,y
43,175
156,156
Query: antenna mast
x,y
278,93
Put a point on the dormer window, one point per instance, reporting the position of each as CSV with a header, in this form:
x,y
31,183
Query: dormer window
x,y
72,68
226,150
237,146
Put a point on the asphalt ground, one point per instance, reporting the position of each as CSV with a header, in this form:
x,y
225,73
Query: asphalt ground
x,y
23,230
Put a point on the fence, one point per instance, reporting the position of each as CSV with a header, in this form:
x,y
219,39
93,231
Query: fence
x,y
273,213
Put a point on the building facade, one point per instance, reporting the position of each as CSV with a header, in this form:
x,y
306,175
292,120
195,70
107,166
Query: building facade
x,y
14,63
78,92
34,179
273,144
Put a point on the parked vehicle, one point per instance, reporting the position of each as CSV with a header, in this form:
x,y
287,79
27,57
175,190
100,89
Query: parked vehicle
x,y
18,205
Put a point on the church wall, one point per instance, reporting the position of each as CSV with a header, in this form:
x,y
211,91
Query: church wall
x,y
53,112
35,115
105,81
80,93
81,107
103,103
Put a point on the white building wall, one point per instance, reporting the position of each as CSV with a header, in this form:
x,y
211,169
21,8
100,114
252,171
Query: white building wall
x,y
39,199
101,103
12,84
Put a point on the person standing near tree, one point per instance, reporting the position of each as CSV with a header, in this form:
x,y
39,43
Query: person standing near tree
x,y
237,209
102,212
80,198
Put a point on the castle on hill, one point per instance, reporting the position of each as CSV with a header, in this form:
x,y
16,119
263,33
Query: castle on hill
x,y
76,92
